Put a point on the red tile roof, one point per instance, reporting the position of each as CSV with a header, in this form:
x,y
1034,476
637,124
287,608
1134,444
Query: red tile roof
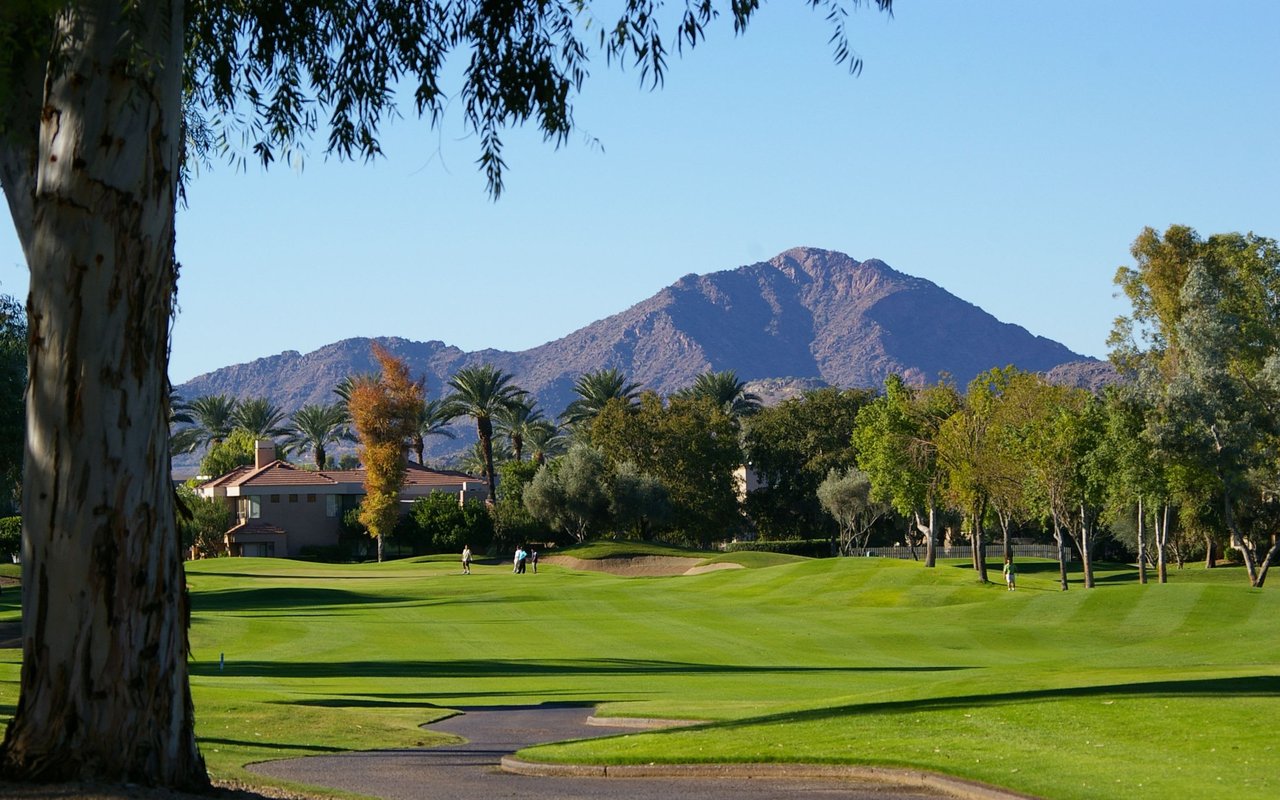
x,y
255,526
280,473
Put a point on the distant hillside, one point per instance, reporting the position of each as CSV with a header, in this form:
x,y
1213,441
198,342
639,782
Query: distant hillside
x,y
807,317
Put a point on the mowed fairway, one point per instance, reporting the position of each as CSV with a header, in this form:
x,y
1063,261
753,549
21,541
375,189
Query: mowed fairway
x,y
1121,691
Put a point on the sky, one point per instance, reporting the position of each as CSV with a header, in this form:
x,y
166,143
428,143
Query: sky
x,y
1009,151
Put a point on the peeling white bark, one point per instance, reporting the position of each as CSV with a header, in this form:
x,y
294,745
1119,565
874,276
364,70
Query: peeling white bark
x,y
104,692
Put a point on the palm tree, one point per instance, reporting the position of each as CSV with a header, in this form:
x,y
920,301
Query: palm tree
x,y
261,417
544,440
349,383
480,393
472,459
212,417
516,422
313,427
432,421
725,390
594,390
185,438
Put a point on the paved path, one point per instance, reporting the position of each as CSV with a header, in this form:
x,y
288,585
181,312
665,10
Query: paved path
x,y
470,771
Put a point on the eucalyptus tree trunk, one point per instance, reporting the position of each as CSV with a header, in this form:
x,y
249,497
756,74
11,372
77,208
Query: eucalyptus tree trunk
x,y
1083,542
104,686
1238,541
1210,558
930,537
1264,566
1142,556
1162,541
1006,522
1060,540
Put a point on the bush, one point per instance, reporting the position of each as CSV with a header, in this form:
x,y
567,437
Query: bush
x,y
810,548
10,536
438,523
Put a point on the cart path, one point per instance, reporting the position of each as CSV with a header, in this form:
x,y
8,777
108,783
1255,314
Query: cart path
x,y
470,771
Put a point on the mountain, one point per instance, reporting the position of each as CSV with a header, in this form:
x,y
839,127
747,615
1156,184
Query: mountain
x,y
811,316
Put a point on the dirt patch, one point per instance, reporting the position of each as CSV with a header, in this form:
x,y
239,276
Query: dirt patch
x,y
638,566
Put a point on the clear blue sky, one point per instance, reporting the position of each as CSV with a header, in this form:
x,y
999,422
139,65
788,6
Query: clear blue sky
x,y
1009,151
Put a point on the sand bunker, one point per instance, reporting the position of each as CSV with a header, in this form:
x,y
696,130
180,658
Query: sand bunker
x,y
639,566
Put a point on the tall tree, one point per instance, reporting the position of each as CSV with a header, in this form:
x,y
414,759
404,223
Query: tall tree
x,y
315,427
570,493
544,441
482,393
261,417
595,390
691,446
385,415
1199,340
516,422
791,447
847,497
433,421
725,390
896,441
212,415
92,95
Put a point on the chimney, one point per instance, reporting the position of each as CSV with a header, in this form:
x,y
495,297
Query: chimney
x,y
264,452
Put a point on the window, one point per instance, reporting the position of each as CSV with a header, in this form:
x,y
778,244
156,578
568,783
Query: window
x,y
250,507
293,498
275,498
331,505
311,498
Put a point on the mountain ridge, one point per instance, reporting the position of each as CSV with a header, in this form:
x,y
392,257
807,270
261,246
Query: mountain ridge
x,y
807,314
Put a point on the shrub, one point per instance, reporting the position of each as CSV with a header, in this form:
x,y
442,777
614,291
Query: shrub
x,y
10,536
811,548
443,526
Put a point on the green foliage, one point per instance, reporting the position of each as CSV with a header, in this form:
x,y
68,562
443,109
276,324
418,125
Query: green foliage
x,y
571,494
846,496
810,548
315,427
639,503
237,450
1203,346
792,446
595,390
691,447
202,522
260,417
512,522
441,525
13,411
482,392
10,536
725,390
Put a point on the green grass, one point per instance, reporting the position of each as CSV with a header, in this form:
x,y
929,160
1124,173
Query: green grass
x,y
1125,690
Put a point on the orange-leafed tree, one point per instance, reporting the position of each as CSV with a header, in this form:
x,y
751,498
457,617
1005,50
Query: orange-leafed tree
x,y
384,411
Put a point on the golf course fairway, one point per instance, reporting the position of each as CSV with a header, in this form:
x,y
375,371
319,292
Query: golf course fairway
x,y
1120,691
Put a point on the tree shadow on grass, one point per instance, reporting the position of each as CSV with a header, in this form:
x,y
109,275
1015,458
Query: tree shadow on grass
x,y
259,744
423,700
290,597
1214,688
513,668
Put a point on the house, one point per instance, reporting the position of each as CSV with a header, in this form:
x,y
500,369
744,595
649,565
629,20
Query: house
x,y
280,509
